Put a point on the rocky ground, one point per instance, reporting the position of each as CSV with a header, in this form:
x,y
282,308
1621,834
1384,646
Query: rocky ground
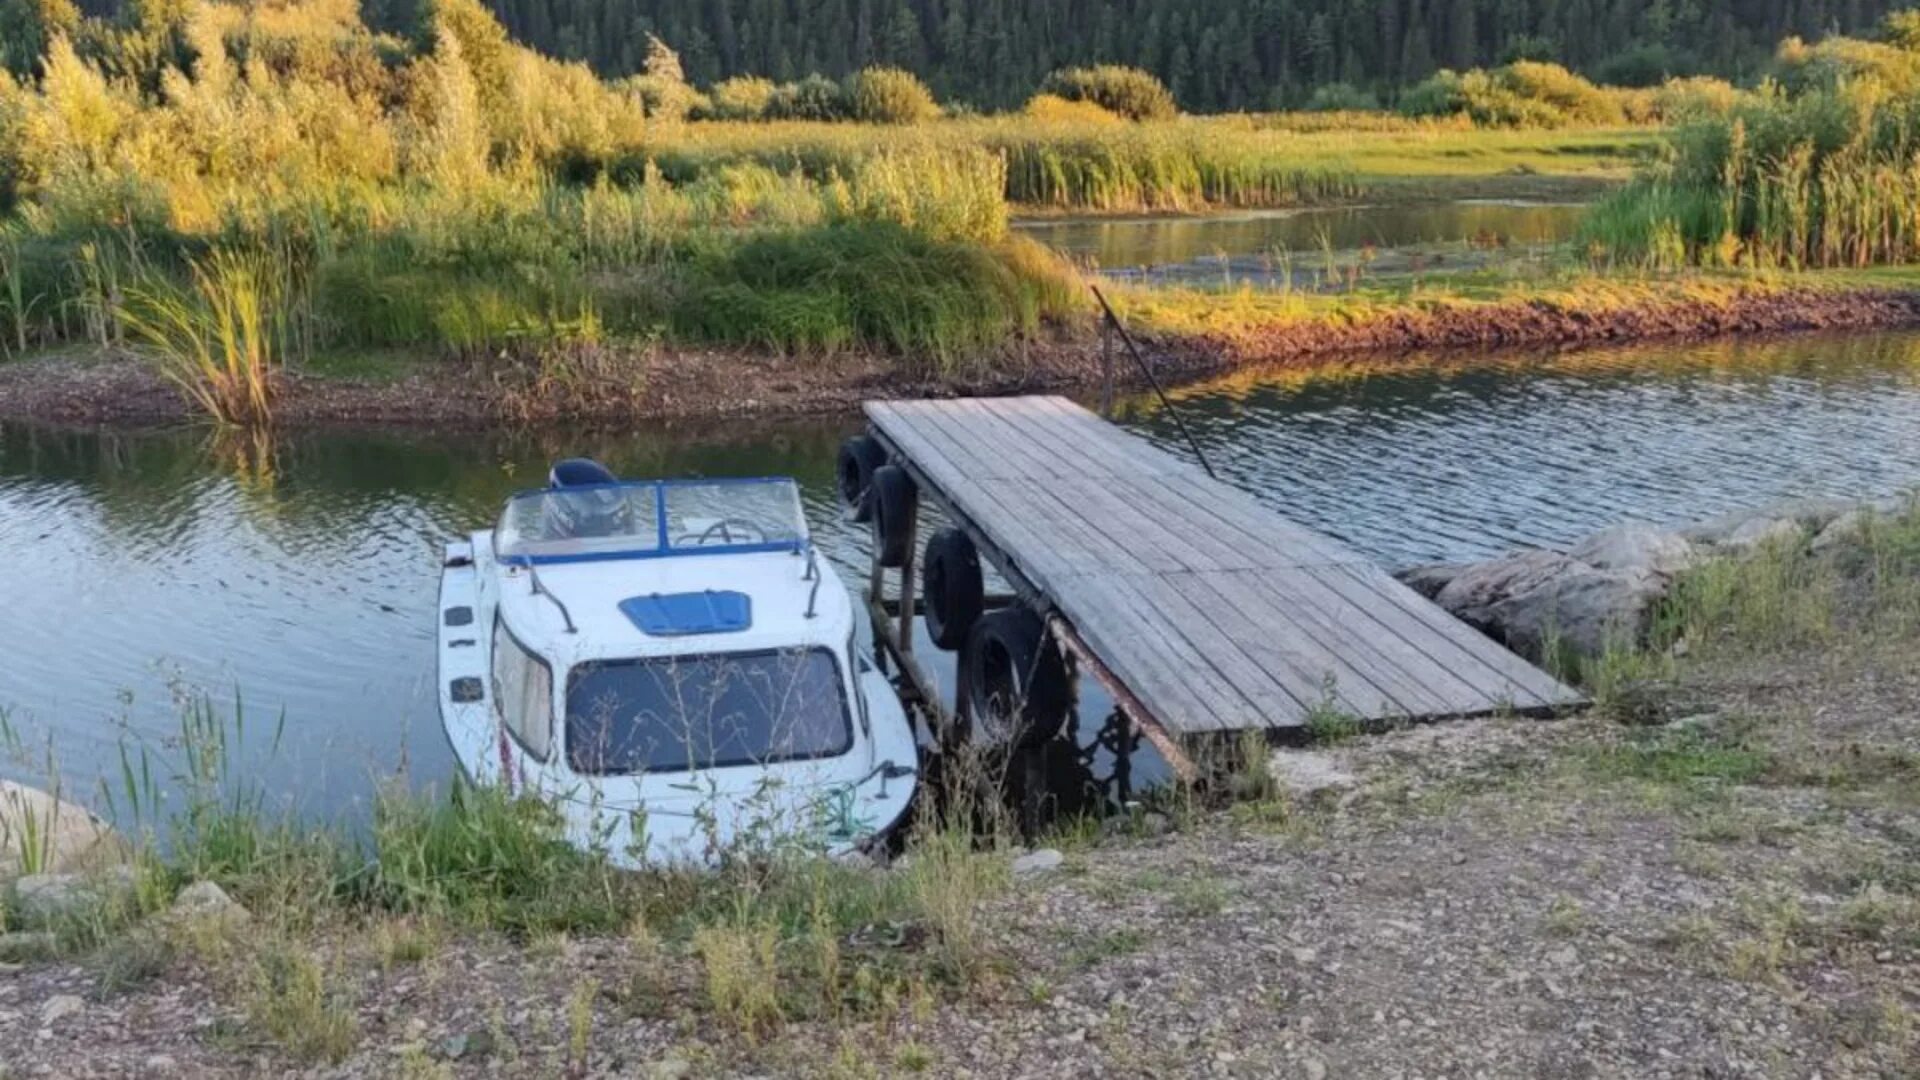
x,y
1733,894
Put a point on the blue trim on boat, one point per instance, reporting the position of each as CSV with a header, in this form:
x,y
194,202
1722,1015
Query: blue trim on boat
x,y
664,547
792,547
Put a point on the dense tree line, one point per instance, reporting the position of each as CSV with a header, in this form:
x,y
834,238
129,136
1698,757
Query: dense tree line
x,y
1215,54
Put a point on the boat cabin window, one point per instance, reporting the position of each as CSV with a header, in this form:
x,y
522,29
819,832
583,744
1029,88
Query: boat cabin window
x,y
522,693
681,713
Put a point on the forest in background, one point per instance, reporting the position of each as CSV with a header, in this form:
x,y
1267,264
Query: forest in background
x,y
1216,55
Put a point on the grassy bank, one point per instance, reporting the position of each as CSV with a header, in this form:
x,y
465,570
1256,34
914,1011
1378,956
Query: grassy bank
x,y
235,197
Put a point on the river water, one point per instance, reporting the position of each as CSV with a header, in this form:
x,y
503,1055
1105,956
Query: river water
x,y
153,565
1303,235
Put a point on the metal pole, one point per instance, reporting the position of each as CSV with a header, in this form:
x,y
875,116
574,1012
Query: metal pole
x,y
1106,366
1153,380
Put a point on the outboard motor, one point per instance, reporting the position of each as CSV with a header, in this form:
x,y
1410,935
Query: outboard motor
x,y
591,502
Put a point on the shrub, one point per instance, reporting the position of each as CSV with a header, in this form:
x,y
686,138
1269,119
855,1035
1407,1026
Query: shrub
x,y
1646,64
1342,97
742,98
1439,94
812,98
1522,94
1129,92
1054,109
890,96
1695,97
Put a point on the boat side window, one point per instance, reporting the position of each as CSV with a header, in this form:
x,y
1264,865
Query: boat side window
x,y
522,693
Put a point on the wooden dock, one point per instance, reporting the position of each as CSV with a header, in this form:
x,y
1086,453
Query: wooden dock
x,y
1198,606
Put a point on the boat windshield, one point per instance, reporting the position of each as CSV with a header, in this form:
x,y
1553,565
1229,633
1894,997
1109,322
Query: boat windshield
x,y
720,710
651,519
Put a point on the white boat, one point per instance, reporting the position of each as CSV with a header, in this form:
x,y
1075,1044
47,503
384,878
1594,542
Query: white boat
x,y
672,665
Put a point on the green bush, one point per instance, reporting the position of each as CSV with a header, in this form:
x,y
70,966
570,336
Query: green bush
x,y
744,97
1130,92
1342,97
890,96
812,98
1521,94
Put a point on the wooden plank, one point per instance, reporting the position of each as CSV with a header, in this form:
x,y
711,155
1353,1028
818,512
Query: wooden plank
x,y
1159,668
1385,640
1029,553
1257,532
1294,644
1099,456
1470,650
1291,587
1233,657
1023,454
1157,543
1141,457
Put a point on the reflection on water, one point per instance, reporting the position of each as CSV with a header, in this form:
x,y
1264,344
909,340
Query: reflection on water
x,y
1468,457
304,571
1121,243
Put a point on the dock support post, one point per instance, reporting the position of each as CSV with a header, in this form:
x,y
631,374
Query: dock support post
x,y
1144,720
906,579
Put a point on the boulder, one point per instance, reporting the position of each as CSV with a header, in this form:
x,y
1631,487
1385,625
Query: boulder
x,y
1582,608
204,901
1038,862
1636,546
26,946
1811,514
1428,580
1476,590
64,837
1759,531
1846,527
51,899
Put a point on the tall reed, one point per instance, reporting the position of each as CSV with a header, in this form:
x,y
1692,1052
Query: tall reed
x,y
219,338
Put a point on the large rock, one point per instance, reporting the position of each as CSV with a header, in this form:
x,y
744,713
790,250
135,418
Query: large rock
x,y
1583,609
1429,579
53,899
1636,546
207,902
64,837
1473,594
1763,531
1846,528
1744,528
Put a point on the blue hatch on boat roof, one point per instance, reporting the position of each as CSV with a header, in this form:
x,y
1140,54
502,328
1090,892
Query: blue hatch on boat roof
x,y
680,614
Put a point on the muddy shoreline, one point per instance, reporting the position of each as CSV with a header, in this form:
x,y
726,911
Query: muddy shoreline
x,y
690,384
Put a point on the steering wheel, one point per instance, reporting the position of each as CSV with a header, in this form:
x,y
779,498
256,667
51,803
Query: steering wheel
x,y
726,529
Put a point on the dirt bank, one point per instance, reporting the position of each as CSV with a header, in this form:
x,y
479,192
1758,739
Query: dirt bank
x,y
663,384
1540,322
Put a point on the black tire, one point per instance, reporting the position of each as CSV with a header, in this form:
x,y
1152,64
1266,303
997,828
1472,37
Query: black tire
x,y
951,586
860,457
892,501
1014,681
